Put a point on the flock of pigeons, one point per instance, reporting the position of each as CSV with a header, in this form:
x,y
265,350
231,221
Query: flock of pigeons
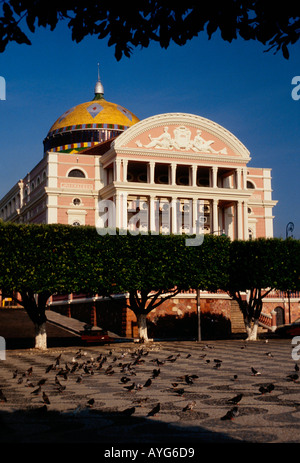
x,y
108,364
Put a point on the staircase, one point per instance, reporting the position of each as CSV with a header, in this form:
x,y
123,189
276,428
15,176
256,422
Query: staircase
x,y
236,318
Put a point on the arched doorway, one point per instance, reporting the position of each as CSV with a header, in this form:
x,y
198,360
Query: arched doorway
x,y
279,316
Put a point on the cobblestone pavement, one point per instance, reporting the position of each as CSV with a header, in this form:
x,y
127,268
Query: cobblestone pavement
x,y
204,374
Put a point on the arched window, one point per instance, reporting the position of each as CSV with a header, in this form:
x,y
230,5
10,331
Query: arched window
x,y
250,185
76,173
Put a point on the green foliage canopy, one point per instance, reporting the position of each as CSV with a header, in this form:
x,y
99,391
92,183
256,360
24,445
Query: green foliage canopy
x,y
275,24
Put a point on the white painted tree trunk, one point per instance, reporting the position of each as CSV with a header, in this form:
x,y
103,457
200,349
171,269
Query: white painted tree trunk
x,y
251,330
40,336
142,327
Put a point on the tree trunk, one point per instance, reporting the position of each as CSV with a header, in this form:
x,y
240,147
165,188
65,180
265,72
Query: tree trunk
x,y
142,327
251,329
40,336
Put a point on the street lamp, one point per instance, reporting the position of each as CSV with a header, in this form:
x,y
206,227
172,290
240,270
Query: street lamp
x,y
289,229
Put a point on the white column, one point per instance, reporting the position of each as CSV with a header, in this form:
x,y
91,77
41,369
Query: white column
x,y
174,215
246,233
151,167
214,176
245,178
173,174
125,165
117,164
21,186
194,216
239,221
238,178
123,211
215,224
194,175
152,213
117,210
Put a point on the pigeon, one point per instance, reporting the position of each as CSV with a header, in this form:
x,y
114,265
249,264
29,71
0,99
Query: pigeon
x,y
264,389
124,379
255,372
156,373
49,368
154,410
148,383
188,379
2,397
36,391
189,406
41,382
179,391
45,398
129,411
293,377
235,400
270,387
130,388
74,367
231,414
60,386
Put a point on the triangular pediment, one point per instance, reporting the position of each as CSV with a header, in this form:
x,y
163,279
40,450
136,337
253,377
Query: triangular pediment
x,y
181,133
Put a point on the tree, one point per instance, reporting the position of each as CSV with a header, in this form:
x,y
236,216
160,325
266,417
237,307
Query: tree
x,y
275,24
257,267
155,268
37,261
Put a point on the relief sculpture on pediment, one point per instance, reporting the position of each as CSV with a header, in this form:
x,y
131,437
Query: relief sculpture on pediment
x,y
181,141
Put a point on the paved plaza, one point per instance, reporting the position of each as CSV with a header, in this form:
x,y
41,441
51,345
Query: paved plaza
x,y
106,394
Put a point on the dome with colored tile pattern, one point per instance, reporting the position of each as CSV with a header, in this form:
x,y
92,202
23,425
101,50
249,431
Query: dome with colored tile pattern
x,y
88,124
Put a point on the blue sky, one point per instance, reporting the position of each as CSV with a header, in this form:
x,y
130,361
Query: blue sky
x,y
236,85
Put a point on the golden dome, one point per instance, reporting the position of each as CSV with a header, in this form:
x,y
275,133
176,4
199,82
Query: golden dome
x,y
98,111
89,123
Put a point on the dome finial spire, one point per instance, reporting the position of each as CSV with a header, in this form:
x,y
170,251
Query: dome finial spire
x,y
99,90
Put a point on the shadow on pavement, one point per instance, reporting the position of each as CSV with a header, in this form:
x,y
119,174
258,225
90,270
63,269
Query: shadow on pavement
x,y
39,425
